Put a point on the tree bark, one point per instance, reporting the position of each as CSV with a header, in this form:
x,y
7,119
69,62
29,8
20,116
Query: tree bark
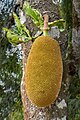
x,y
57,110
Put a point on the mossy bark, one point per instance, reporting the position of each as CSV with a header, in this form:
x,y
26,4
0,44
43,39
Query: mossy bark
x,y
74,64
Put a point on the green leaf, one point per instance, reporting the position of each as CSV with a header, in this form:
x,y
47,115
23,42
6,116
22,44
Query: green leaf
x,y
60,23
21,28
34,14
17,21
12,37
39,16
15,39
37,34
26,30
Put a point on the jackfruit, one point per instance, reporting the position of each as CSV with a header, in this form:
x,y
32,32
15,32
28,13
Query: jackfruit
x,y
43,72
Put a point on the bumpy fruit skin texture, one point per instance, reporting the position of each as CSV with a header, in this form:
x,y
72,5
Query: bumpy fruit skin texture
x,y
43,74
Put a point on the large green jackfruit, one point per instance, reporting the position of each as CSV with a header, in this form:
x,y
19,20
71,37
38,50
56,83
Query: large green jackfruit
x,y
43,74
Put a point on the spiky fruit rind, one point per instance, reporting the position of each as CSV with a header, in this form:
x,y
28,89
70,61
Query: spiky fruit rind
x,y
43,74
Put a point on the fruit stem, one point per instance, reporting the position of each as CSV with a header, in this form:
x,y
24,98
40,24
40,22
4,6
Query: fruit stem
x,y
45,27
45,32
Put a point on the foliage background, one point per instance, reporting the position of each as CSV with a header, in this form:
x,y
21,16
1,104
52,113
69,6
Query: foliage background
x,y
10,68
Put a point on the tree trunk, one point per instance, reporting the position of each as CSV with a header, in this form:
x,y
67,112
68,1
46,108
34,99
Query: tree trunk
x,y
57,110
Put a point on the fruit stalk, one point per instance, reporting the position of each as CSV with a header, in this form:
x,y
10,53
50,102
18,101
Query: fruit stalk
x,y
45,27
